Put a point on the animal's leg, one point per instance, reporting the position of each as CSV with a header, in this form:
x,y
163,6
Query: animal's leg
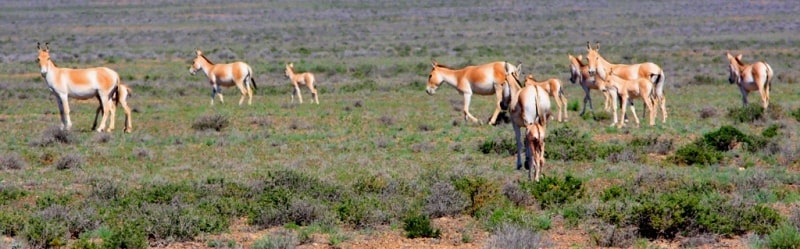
x,y
614,107
607,103
297,91
243,91
113,111
499,97
467,115
128,119
764,98
520,146
564,103
539,158
63,107
744,96
624,107
586,99
106,110
219,92
650,103
96,116
662,100
213,94
314,93
633,111
249,91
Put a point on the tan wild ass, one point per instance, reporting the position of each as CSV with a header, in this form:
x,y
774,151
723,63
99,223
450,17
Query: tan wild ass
x,y
530,109
626,89
227,75
486,79
579,73
752,77
65,83
648,70
553,88
301,78
119,98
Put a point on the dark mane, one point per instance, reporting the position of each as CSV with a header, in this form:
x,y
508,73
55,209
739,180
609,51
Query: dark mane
x,y
204,57
445,66
738,61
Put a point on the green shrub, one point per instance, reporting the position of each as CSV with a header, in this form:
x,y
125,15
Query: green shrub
x,y
666,215
696,154
613,192
796,114
553,191
12,161
725,138
42,232
9,194
128,234
481,193
748,113
785,237
358,211
419,226
771,131
12,221
761,219
565,143
499,146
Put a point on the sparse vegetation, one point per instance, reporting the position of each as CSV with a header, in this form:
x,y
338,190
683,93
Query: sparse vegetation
x,y
378,150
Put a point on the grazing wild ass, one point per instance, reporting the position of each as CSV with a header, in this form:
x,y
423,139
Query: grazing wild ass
x,y
65,83
553,88
304,79
626,89
752,77
486,79
601,67
119,98
530,109
579,73
227,75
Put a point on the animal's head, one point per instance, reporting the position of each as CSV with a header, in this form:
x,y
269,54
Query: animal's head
x,y
289,69
575,65
197,64
529,80
435,78
44,57
513,72
593,56
733,67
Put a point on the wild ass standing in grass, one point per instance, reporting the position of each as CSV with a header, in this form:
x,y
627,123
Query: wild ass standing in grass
x,y
530,109
99,82
553,88
118,98
227,75
601,67
486,79
626,89
579,73
301,78
752,77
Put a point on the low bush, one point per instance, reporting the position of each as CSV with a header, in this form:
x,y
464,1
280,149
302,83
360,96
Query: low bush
x,y
419,226
517,237
70,161
444,200
796,114
553,191
215,122
608,235
785,237
480,192
52,135
746,114
282,239
565,143
126,234
12,161
499,146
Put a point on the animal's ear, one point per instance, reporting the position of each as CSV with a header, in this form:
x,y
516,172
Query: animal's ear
x,y
434,63
47,46
198,52
529,77
580,57
739,57
597,47
588,45
38,45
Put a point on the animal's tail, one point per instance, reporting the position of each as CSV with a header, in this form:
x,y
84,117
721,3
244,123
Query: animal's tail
x,y
659,82
769,77
252,79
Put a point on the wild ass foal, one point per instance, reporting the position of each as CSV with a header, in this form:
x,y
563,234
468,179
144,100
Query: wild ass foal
x,y
601,67
65,83
227,75
486,79
530,109
750,77
301,78
553,88
120,97
638,88
579,73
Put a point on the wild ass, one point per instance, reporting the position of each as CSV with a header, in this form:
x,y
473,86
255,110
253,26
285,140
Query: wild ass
x,y
301,79
553,88
626,89
579,73
750,77
530,109
227,75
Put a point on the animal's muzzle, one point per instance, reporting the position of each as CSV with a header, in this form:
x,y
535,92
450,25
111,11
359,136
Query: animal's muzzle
x,y
430,91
